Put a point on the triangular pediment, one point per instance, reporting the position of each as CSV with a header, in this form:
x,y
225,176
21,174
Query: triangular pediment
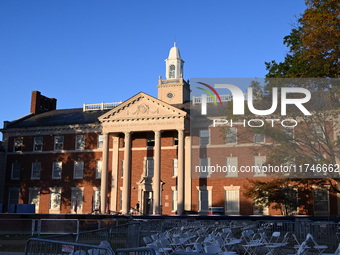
x,y
142,106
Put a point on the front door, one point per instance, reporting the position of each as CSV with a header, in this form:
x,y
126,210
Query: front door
x,y
148,201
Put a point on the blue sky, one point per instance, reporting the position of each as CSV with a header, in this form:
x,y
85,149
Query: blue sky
x,y
106,51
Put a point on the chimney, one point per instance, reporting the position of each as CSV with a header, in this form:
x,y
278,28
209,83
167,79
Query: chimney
x,y
40,103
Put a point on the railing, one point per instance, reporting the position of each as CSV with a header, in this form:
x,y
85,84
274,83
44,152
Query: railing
x,y
53,226
53,247
100,106
136,251
170,81
212,99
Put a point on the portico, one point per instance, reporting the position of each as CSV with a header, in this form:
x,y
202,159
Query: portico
x,y
141,113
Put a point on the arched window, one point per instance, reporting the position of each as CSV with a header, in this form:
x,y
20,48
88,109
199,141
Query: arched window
x,y
172,71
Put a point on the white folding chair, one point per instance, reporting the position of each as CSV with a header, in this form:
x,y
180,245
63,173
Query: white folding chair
x,y
318,247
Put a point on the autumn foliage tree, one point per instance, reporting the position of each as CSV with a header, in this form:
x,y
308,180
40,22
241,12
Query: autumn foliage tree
x,y
313,53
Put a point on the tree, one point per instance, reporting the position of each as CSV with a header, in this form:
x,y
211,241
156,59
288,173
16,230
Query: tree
x,y
313,53
313,44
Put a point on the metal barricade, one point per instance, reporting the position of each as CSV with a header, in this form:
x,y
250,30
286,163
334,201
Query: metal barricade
x,y
136,251
37,246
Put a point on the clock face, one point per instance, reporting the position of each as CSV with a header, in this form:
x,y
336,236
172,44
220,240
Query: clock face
x,y
170,95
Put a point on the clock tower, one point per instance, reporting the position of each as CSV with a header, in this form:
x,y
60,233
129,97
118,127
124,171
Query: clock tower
x,y
173,90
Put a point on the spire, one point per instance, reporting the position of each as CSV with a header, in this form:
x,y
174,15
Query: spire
x,y
174,64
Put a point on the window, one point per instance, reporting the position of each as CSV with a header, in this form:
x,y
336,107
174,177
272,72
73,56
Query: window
x,y
258,162
34,197
172,71
38,143
288,132
176,141
98,169
78,169
13,196
58,143
321,200
174,167
96,199
319,132
149,167
204,136
204,199
291,201
204,168
80,142
36,166
77,200
16,168
231,135
232,166
57,169
174,199
259,138
232,199
55,199
18,144
100,141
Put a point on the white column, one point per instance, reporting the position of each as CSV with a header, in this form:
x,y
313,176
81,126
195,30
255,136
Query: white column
x,y
180,178
103,178
127,174
157,174
187,174
114,180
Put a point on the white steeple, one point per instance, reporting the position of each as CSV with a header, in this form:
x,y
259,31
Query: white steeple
x,y
174,64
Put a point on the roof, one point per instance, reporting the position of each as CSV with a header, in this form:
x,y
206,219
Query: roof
x,y
57,118
174,53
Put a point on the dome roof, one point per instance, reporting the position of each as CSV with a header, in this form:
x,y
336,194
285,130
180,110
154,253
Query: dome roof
x,y
174,53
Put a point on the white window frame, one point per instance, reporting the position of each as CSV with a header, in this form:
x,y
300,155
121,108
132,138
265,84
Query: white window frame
x,y
99,168
257,140
96,199
325,189
100,142
57,166
16,171
78,165
36,143
36,170
231,135
77,194
174,167
34,200
174,199
18,144
232,164
58,142
55,200
232,205
258,162
80,142
319,132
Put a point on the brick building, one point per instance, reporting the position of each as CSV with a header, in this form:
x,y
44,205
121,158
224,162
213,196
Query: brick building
x,y
109,157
